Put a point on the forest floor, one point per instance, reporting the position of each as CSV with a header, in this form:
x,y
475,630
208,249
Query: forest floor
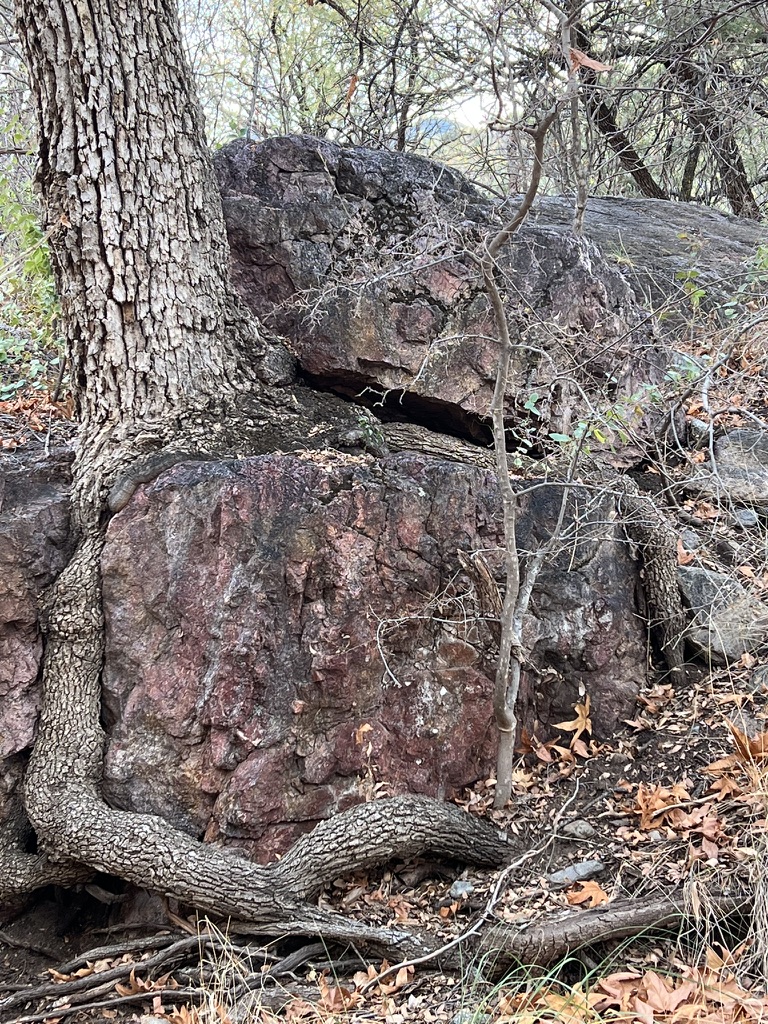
x,y
678,798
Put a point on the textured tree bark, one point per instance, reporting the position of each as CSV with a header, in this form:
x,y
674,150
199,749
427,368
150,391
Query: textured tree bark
x,y
544,943
689,170
134,223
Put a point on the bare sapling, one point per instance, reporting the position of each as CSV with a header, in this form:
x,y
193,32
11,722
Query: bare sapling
x,y
518,582
520,574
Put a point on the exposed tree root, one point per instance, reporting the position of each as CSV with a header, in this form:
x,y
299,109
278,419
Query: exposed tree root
x,y
69,989
173,995
545,943
270,999
377,832
151,368
65,806
22,871
497,950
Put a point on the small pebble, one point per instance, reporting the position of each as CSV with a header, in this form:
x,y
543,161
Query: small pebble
x,y
655,836
470,1017
746,517
698,433
579,829
691,540
576,873
461,889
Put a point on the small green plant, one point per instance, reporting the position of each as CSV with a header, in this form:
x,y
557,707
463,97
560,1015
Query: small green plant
x,y
370,428
531,403
691,286
621,257
612,424
29,347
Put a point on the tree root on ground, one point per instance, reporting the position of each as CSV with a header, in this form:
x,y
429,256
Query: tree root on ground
x,y
548,942
496,951
98,990
23,871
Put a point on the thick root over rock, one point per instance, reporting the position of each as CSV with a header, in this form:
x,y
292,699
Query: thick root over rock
x,y
64,804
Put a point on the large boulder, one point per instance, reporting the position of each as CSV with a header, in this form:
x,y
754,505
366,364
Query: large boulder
x,y
285,634
740,469
365,261
727,621
682,259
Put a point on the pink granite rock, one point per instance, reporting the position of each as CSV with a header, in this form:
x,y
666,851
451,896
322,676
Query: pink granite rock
x,y
284,633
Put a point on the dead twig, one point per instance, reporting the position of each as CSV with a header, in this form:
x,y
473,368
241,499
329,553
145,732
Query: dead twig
x,y
62,989
137,997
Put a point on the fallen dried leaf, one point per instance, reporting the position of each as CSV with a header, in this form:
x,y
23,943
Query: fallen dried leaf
x,y
580,724
590,893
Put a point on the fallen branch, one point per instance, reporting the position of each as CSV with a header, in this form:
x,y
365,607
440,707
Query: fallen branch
x,y
60,1012
120,949
498,946
60,990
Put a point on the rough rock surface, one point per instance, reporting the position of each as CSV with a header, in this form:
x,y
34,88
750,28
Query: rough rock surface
x,y
740,470
665,248
362,259
34,547
741,458
286,632
727,621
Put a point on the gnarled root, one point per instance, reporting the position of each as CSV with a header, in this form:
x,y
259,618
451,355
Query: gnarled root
x,y
22,871
69,815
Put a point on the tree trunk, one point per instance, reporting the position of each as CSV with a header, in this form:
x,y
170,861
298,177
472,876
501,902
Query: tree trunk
x,y
604,119
139,253
715,129
134,219
689,170
603,116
